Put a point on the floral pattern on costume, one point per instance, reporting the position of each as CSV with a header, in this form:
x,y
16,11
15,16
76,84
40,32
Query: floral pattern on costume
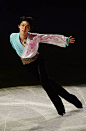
x,y
31,45
34,39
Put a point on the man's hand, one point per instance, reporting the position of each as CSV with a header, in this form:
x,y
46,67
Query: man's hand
x,y
71,40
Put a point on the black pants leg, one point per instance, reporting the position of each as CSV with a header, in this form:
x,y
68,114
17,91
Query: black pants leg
x,y
66,95
38,69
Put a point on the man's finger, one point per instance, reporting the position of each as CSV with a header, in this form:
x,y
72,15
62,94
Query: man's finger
x,y
72,41
70,36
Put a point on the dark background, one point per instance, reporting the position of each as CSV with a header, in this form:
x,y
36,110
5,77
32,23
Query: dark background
x,y
67,66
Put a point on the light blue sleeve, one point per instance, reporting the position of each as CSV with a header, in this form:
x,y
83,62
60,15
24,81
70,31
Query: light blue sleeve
x,y
11,41
67,40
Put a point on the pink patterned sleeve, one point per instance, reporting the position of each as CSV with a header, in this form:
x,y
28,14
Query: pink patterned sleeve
x,y
59,40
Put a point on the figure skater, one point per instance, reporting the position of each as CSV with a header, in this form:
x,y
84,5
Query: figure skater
x,y
26,46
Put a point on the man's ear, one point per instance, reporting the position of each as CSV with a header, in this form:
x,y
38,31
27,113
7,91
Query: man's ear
x,y
18,26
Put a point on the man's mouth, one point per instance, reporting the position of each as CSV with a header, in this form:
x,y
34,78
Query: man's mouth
x,y
23,30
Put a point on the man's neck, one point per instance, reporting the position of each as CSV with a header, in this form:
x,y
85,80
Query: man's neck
x,y
23,37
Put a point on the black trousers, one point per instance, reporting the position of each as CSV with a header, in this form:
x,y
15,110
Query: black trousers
x,y
38,69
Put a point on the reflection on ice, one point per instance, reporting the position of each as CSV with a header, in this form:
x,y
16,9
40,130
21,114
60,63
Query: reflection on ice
x,y
30,109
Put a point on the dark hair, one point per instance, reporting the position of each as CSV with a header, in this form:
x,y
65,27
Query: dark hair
x,y
28,19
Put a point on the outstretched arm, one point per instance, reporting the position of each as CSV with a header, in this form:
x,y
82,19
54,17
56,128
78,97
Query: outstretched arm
x,y
59,40
56,39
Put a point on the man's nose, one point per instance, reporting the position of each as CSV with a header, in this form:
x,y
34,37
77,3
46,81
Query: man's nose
x,y
24,27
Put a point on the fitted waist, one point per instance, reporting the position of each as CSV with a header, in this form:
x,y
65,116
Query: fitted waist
x,y
29,60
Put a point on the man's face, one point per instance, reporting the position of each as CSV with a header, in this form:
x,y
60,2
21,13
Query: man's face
x,y
24,27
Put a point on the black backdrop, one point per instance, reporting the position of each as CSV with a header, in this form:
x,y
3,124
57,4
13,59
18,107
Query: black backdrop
x,y
67,66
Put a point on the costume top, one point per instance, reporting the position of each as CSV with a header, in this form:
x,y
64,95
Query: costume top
x,y
32,43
